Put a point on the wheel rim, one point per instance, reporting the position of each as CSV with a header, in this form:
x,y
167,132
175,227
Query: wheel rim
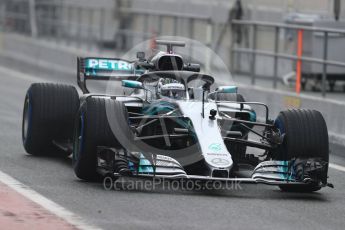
x,y
279,125
26,119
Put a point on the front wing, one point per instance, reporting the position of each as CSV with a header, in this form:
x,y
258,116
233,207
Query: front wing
x,y
296,171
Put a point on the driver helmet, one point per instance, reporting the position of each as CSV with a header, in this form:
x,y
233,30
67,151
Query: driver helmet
x,y
174,90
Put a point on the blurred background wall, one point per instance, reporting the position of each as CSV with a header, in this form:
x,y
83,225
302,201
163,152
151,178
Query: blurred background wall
x,y
45,36
119,24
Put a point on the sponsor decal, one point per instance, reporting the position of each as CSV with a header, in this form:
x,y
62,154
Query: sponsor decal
x,y
107,64
220,161
216,147
217,154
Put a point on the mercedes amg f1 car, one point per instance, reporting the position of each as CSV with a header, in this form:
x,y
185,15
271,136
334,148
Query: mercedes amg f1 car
x,y
173,124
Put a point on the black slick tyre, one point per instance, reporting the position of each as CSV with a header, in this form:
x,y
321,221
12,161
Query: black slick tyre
x,y
48,115
96,125
305,136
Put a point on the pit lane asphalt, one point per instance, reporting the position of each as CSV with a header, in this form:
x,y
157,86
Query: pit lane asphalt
x,y
252,207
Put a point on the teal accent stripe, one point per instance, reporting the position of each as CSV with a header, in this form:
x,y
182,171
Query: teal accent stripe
x,y
144,165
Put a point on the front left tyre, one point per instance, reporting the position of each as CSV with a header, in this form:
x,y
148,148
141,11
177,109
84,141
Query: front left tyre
x,y
96,124
48,115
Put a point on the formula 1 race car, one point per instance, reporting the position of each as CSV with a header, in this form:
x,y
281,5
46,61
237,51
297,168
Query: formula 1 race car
x,y
171,125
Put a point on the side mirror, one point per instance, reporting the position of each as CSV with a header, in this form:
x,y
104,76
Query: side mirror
x,y
192,67
132,84
227,89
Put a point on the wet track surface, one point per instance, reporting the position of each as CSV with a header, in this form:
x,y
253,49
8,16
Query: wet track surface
x,y
248,207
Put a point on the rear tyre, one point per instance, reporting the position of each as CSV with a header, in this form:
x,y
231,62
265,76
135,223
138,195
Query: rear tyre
x,y
92,129
48,115
306,136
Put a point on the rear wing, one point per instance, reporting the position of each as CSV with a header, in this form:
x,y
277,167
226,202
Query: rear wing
x,y
97,68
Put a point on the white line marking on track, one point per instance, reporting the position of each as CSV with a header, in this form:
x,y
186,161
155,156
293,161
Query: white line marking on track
x,y
337,167
51,206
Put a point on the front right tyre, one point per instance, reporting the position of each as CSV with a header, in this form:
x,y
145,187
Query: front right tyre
x,y
305,136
